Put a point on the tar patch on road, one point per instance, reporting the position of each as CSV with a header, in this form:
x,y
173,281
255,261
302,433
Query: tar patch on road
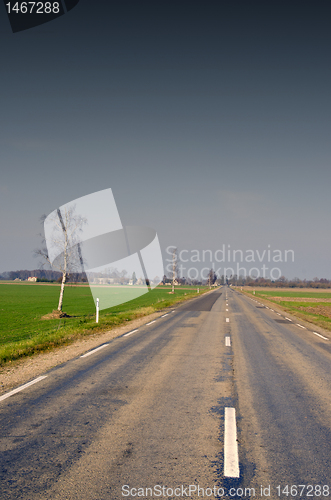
x,y
203,304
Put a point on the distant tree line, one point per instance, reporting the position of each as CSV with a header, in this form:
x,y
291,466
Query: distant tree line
x,y
42,275
282,282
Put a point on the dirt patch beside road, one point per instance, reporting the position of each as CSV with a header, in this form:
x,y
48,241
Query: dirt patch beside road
x,y
320,310
296,299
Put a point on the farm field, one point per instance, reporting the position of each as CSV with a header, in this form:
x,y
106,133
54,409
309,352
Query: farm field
x,y
312,305
23,331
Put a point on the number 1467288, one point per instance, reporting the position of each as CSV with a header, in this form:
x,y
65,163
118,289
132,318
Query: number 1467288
x,y
304,490
33,7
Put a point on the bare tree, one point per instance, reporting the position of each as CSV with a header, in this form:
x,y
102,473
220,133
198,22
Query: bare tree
x,y
211,277
175,268
62,249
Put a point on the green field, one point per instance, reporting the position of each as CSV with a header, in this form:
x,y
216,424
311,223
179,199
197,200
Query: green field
x,y
309,305
22,306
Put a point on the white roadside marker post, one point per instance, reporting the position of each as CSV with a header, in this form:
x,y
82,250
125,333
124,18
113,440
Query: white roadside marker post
x,y
97,318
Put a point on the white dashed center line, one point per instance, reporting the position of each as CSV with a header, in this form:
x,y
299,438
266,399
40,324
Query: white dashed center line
x,y
22,387
325,338
301,326
227,320
231,458
151,322
130,333
165,315
94,350
228,341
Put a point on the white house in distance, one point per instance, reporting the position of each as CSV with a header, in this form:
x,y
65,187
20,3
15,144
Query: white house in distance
x,y
32,278
105,281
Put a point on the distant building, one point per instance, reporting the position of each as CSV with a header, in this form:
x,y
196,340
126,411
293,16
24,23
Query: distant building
x,y
105,281
32,278
176,282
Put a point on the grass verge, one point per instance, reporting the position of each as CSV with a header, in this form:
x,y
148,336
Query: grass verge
x,y
310,308
23,332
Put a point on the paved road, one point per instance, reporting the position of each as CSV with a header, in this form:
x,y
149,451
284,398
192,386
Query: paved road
x,y
149,409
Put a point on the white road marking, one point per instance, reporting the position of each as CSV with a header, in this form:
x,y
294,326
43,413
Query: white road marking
x,y
231,458
227,320
226,309
227,341
325,338
301,326
151,322
130,333
165,315
288,319
94,350
278,314
22,387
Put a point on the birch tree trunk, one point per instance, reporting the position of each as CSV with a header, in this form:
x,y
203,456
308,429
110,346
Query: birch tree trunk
x,y
65,262
64,277
174,266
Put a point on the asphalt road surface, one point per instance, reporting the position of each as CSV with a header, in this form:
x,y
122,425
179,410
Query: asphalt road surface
x,y
216,399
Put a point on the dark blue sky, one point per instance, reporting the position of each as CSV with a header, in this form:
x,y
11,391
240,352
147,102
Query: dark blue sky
x,y
210,121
